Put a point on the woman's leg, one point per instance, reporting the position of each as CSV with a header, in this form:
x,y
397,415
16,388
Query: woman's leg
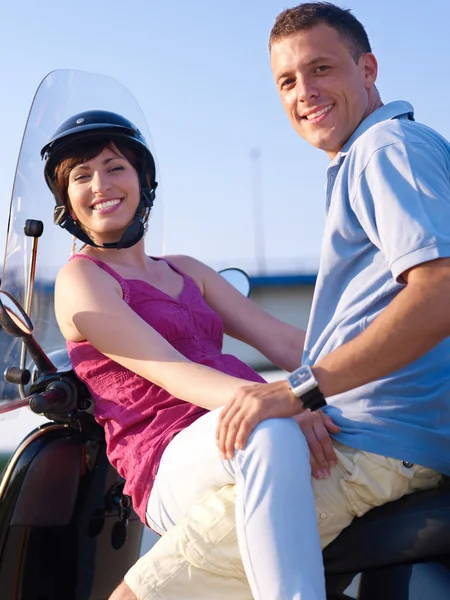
x,y
275,512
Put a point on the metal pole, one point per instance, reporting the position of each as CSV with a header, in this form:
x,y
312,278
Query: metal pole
x,y
29,296
34,229
258,214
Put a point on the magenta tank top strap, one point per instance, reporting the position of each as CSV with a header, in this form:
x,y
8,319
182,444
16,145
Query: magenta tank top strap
x,y
123,282
178,270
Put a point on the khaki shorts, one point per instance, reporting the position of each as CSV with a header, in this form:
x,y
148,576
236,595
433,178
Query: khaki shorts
x,y
199,558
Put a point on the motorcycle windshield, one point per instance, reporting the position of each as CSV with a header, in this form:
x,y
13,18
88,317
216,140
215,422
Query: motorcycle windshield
x,y
60,95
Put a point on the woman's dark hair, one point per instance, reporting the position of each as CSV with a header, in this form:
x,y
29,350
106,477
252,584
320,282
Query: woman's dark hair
x,y
309,14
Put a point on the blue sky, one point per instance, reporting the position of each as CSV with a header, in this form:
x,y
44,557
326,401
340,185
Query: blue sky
x,y
200,72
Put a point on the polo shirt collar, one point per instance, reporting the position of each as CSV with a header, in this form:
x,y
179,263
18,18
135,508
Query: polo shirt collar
x,y
393,110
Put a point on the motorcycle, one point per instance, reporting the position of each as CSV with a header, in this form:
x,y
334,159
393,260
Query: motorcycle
x,y
67,531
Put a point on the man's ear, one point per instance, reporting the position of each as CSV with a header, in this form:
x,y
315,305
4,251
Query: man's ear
x,y
369,66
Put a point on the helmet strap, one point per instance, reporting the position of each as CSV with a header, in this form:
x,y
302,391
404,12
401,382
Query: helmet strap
x,y
132,234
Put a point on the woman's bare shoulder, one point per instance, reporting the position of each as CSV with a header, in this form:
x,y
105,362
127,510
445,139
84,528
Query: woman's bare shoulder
x,y
77,284
74,271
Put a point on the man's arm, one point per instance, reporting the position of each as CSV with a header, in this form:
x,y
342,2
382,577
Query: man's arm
x,y
416,320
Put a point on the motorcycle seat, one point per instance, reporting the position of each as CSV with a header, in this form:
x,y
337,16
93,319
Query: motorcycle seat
x,y
414,529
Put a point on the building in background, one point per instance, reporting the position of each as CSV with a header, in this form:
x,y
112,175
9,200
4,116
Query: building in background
x,y
288,297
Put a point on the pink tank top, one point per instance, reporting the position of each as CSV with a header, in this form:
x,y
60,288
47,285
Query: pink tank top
x,y
139,417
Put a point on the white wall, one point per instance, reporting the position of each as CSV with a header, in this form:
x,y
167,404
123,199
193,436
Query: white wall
x,y
289,303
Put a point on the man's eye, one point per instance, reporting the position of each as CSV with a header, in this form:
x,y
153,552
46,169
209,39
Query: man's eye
x,y
286,83
322,68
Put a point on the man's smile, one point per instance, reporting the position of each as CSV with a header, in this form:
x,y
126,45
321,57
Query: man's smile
x,y
315,115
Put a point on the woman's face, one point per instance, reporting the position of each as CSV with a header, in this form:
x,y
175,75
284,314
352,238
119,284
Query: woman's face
x,y
104,194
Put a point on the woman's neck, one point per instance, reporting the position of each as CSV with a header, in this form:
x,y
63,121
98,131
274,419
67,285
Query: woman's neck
x,y
134,256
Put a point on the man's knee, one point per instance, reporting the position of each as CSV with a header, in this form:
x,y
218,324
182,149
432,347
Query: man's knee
x,y
123,592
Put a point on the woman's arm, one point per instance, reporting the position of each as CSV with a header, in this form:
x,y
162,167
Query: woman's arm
x,y
89,306
244,320
97,313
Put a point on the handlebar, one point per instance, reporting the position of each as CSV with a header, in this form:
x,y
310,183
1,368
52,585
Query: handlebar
x,y
57,399
13,405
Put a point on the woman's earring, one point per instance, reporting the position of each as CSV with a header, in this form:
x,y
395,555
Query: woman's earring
x,y
74,246
145,227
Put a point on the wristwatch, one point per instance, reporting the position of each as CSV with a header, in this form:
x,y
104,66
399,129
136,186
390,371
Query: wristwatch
x,y
304,385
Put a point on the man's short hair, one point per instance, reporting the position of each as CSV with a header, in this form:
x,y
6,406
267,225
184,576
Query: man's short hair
x,y
308,14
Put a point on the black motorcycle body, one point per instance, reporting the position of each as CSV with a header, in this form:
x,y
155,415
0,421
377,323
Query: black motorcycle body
x,y
62,533
67,532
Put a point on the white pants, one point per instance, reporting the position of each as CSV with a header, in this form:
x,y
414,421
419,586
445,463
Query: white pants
x,y
199,558
275,511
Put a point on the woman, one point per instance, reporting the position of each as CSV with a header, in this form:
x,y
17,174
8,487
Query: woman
x,y
145,334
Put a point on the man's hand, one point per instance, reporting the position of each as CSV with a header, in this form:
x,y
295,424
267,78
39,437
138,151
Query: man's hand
x,y
249,406
316,427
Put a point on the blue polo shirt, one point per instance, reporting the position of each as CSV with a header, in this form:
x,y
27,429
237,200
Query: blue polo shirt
x,y
388,209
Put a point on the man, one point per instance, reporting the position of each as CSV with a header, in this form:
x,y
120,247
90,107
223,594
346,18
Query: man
x,y
377,344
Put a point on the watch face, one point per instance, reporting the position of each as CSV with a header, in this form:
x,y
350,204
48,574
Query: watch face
x,y
301,376
302,381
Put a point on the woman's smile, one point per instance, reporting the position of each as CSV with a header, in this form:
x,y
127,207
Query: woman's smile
x,y
107,205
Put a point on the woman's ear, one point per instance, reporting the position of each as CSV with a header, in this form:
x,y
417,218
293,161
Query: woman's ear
x,y
71,211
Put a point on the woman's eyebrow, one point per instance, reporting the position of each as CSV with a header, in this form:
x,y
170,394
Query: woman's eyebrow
x,y
108,160
105,162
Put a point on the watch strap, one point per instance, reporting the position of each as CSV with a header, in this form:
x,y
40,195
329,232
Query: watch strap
x,y
314,399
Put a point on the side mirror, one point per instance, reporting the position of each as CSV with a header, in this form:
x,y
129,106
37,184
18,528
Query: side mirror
x,y
13,318
238,279
16,322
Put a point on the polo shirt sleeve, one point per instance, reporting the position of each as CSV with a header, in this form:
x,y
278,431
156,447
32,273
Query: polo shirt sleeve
x,y
402,200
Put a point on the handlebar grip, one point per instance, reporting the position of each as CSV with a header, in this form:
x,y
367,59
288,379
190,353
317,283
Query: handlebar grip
x,y
57,399
17,375
33,228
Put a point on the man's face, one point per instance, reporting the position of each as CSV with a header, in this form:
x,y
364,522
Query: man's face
x,y
324,92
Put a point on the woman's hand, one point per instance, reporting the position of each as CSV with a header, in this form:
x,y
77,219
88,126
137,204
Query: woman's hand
x,y
250,405
316,427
